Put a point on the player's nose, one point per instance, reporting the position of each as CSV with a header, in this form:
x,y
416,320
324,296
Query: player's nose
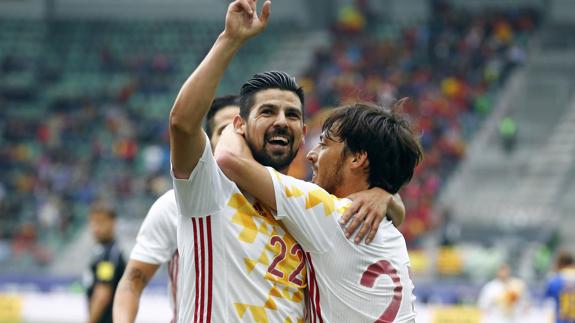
x,y
280,120
312,154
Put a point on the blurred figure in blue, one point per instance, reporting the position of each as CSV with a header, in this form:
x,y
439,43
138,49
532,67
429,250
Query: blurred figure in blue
x,y
561,288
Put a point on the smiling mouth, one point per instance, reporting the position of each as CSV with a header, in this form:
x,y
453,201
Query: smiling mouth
x,y
278,141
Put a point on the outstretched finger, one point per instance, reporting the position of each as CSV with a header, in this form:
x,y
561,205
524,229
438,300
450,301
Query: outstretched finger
x,y
266,12
357,220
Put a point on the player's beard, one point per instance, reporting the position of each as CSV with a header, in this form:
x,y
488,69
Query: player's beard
x,y
331,179
277,161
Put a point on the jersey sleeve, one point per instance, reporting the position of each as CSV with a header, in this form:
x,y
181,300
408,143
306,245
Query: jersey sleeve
x,y
204,192
109,267
309,212
156,242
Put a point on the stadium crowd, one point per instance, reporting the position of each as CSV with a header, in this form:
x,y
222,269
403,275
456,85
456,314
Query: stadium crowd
x,y
82,146
450,68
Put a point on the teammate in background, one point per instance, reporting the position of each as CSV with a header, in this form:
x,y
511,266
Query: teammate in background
x,y
156,241
220,115
361,146
224,236
561,288
106,266
504,299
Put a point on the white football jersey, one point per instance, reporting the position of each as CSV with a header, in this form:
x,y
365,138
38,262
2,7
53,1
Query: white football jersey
x,y
156,241
347,282
237,263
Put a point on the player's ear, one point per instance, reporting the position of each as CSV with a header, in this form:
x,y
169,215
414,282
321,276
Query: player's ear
x,y
359,160
239,125
303,136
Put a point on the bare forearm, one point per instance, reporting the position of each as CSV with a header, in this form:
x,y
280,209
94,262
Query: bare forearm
x,y
101,297
193,103
128,293
249,175
197,93
126,302
396,210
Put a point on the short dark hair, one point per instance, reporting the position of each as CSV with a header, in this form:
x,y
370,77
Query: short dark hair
x,y
101,207
392,148
218,104
564,259
264,81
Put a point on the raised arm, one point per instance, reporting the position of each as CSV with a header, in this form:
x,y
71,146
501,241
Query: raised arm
x,y
193,101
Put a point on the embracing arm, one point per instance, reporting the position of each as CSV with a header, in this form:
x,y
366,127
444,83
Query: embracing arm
x,y
369,208
127,299
193,102
396,211
237,162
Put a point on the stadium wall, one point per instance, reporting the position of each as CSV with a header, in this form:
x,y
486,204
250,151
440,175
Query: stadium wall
x,y
562,11
480,4
22,8
142,9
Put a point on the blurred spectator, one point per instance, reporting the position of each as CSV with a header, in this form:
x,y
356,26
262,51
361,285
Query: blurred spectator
x,y
449,232
88,121
561,288
450,69
503,299
25,244
508,134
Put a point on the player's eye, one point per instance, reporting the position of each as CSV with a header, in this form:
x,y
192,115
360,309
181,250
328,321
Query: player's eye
x,y
266,113
293,115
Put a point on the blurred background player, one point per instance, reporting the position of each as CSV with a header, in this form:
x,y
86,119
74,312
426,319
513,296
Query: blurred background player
x,y
503,299
106,266
156,241
561,288
221,114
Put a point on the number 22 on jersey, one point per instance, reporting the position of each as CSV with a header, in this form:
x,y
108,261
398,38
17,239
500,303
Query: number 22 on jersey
x,y
288,266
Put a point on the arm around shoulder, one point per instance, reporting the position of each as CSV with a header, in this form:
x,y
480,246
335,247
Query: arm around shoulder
x,y
249,175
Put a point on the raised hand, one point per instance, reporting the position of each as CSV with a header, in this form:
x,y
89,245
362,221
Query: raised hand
x,y
242,20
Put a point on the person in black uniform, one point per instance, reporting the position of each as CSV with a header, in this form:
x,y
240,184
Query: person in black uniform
x,y
106,266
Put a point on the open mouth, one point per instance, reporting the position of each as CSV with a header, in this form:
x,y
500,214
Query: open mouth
x,y
314,171
279,141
